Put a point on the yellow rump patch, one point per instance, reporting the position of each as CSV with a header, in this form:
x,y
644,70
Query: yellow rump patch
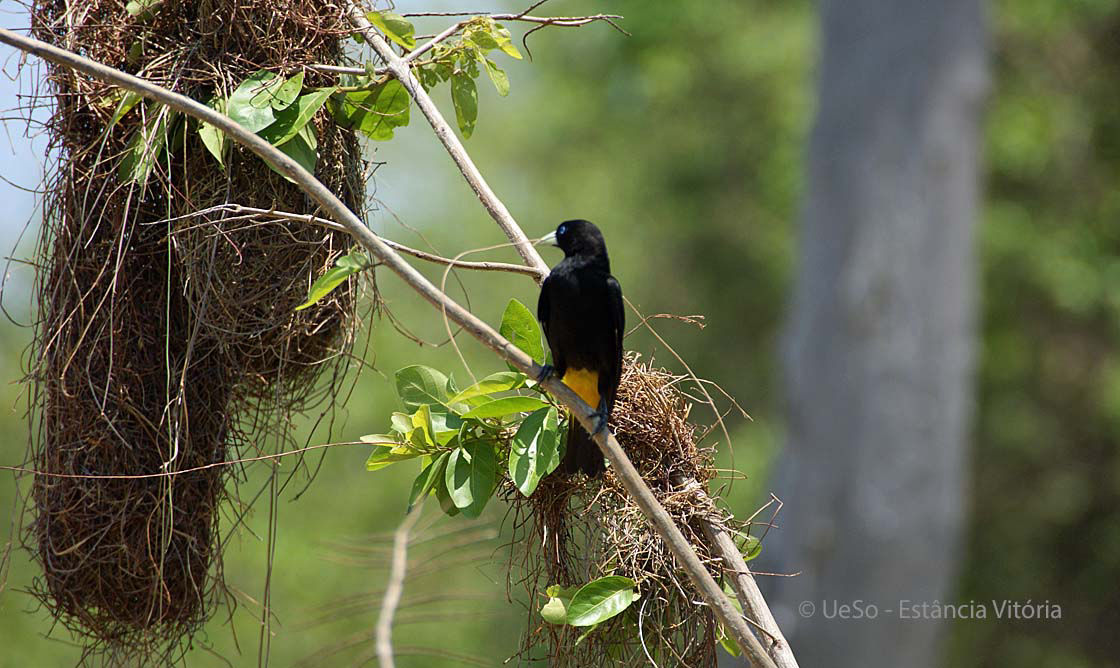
x,y
585,383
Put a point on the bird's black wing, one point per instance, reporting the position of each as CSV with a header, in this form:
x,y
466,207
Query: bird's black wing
x,y
618,324
543,306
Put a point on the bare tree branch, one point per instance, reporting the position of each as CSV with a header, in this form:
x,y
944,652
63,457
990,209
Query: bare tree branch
x,y
746,590
394,589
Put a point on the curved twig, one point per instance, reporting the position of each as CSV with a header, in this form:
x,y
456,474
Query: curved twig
x,y
397,246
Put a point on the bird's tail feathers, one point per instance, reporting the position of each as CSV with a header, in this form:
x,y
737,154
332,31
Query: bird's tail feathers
x,y
582,454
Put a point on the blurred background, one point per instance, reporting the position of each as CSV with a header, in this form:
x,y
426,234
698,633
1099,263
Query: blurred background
x,y
900,224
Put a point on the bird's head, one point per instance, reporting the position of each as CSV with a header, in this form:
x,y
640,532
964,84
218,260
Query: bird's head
x,y
577,237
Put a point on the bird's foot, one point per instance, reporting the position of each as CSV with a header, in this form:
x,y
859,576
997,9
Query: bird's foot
x,y
601,417
547,371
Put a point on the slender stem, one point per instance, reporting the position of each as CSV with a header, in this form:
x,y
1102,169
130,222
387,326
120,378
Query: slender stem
x,y
393,591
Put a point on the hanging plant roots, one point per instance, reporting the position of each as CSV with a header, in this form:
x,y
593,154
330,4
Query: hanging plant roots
x,y
572,530
167,333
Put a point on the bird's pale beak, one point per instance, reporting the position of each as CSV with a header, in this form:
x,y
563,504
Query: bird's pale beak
x,y
549,239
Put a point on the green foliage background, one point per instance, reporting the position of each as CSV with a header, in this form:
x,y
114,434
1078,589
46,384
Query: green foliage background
x,y
686,143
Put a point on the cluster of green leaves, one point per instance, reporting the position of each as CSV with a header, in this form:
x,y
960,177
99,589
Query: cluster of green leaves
x,y
461,435
457,60
597,601
591,604
278,109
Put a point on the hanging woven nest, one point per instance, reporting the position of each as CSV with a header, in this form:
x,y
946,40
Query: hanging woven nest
x,y
572,531
166,331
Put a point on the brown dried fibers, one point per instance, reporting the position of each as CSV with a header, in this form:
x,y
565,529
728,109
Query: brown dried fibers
x,y
166,331
571,531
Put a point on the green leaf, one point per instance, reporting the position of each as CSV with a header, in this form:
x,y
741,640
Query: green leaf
x,y
535,450
556,610
344,267
749,546
729,590
381,439
464,95
127,101
422,431
420,384
395,27
303,148
445,502
502,381
728,644
212,138
471,476
427,480
505,40
266,94
295,118
401,423
601,599
483,39
145,7
520,326
135,52
505,406
147,144
251,104
287,93
356,260
497,75
445,423
375,112
384,455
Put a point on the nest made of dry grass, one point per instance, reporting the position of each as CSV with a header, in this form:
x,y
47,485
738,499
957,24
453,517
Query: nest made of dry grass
x,y
571,531
166,333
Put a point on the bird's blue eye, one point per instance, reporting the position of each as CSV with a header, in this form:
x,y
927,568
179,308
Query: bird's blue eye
x,y
560,232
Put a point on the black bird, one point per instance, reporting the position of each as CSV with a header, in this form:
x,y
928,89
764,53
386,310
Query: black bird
x,y
580,310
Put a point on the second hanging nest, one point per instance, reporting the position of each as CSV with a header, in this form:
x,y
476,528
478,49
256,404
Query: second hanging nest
x,y
167,333
572,531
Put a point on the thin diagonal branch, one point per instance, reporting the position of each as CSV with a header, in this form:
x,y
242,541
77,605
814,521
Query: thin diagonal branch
x,y
749,595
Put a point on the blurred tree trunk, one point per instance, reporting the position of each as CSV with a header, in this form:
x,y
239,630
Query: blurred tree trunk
x,y
881,340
